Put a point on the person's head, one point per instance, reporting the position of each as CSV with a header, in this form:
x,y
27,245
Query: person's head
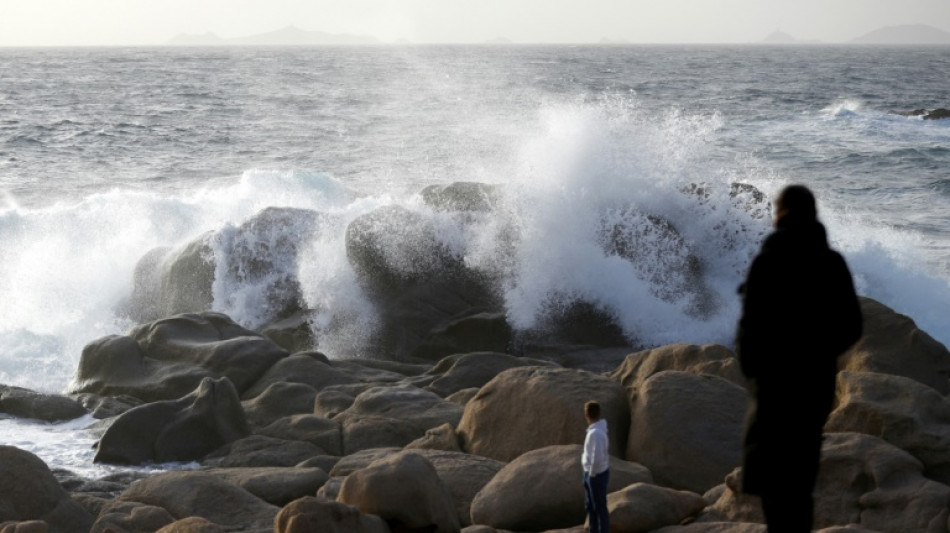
x,y
795,201
592,411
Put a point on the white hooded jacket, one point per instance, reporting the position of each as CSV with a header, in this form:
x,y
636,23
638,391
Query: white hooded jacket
x,y
596,448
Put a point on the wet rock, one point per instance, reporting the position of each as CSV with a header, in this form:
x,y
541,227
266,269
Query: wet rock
x,y
416,282
495,424
24,403
462,196
292,333
29,492
180,430
478,332
168,358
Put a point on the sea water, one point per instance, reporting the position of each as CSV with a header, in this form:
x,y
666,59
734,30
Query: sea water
x,y
108,153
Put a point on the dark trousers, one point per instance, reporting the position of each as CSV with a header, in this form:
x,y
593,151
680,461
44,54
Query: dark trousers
x,y
595,498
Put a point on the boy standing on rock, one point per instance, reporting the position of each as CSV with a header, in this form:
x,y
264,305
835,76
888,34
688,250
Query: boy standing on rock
x,y
596,464
799,313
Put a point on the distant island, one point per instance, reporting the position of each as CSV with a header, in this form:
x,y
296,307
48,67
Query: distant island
x,y
289,36
911,34
906,34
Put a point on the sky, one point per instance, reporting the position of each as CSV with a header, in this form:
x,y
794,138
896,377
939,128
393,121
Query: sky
x,y
155,22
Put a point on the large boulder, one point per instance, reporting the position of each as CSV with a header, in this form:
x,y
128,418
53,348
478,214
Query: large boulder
x,y
29,491
462,196
710,359
405,490
893,344
259,257
193,524
168,358
863,481
307,368
464,475
280,399
659,254
543,489
24,403
466,370
902,411
641,507
261,451
180,430
184,494
485,331
415,280
123,516
325,433
310,514
275,485
687,429
393,416
523,409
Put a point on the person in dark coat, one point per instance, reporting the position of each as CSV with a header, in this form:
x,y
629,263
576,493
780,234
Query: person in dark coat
x,y
800,312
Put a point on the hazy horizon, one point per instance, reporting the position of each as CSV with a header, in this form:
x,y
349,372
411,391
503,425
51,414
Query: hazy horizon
x,y
144,23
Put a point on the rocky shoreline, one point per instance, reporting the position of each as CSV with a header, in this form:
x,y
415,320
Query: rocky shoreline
x,y
476,442
464,422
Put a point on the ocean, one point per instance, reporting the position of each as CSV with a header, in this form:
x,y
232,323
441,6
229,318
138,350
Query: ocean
x,y
108,153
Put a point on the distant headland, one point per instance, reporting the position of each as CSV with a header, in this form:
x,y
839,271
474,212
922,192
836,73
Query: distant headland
x,y
908,34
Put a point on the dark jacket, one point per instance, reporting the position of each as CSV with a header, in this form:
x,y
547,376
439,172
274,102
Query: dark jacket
x,y
800,312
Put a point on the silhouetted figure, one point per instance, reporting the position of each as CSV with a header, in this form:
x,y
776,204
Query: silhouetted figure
x,y
596,463
800,312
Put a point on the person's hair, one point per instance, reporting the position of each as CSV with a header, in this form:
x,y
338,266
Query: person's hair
x,y
797,200
592,410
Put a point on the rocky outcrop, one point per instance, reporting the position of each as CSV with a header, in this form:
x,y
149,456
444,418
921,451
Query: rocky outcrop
x,y
711,359
30,492
468,370
543,489
24,403
260,451
186,494
310,514
324,433
416,282
862,481
893,344
687,429
308,368
124,516
405,490
496,422
279,400
393,416
903,412
274,485
181,430
463,475
168,358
